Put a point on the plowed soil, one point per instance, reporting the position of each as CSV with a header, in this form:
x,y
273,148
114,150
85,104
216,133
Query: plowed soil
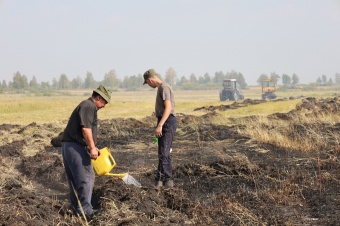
x,y
221,176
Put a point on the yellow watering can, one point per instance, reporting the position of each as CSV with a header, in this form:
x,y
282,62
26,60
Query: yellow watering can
x,y
105,163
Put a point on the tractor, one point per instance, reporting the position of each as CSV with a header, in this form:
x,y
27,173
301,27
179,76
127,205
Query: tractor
x,y
268,89
230,91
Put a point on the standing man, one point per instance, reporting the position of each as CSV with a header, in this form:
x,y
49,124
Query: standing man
x,y
79,147
166,126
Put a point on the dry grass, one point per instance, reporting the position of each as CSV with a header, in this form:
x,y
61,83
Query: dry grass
x,y
22,110
301,133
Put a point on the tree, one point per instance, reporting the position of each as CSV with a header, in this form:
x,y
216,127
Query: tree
x,y
125,82
318,81
55,83
330,82
24,82
45,85
76,83
337,78
4,83
239,78
200,80
206,78
324,79
16,80
193,79
218,78
262,76
170,76
89,82
132,82
64,82
110,79
241,81
295,79
182,81
286,80
33,82
275,77
230,75
19,81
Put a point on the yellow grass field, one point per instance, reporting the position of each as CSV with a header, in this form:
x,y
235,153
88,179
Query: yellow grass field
x,y
23,109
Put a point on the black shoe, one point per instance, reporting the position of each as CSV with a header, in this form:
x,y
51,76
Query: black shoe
x,y
92,215
96,211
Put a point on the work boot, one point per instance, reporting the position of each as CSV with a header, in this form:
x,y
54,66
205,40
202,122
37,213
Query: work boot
x,y
158,183
90,216
169,183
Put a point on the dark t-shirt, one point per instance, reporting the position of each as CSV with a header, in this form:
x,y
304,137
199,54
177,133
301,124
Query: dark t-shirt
x,y
84,115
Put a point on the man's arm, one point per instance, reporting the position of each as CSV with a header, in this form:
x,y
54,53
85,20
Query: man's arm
x,y
165,116
87,134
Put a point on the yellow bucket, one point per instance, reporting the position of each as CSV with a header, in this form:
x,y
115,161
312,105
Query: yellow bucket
x,y
105,163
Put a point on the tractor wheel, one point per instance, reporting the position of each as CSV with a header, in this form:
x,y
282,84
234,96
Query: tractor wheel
x,y
273,96
222,97
235,97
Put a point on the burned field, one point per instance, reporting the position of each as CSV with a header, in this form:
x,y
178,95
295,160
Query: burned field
x,y
222,175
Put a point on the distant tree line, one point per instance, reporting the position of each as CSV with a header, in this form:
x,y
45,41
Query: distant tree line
x,y
135,82
287,81
293,80
324,81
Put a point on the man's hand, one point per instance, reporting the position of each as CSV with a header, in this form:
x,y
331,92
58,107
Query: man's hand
x,y
94,153
158,131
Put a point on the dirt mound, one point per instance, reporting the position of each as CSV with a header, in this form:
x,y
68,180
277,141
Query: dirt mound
x,y
310,107
221,176
236,104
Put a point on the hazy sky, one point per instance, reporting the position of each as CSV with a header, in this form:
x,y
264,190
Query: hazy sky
x,y
47,38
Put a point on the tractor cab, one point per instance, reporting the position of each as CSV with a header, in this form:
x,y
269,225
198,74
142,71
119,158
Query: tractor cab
x,y
268,89
229,84
230,91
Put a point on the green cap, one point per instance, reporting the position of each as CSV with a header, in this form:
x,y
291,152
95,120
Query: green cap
x,y
103,92
148,74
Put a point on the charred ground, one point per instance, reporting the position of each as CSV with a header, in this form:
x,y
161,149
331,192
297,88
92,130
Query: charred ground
x,y
221,176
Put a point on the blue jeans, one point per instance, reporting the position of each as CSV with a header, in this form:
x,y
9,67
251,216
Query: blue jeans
x,y
80,175
164,171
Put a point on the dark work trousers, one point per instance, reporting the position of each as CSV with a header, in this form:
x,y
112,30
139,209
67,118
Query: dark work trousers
x,y
164,171
80,175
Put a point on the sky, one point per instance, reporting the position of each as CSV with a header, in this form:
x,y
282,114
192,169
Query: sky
x,y
47,38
